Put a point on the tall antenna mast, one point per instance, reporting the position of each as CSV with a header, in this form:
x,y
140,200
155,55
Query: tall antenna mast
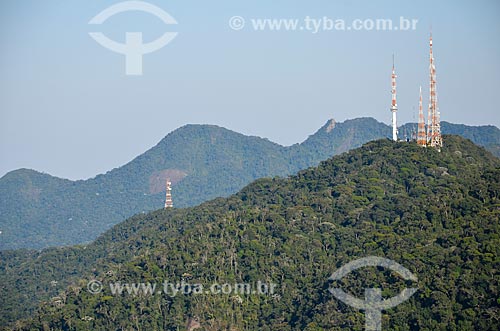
x,y
168,195
434,132
421,135
394,105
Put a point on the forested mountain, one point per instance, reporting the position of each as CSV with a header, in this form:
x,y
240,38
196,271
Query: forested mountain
x,y
437,214
203,162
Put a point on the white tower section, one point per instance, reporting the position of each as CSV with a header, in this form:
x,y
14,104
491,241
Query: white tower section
x,y
394,105
168,195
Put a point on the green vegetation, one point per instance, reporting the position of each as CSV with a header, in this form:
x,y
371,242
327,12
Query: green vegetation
x,y
435,213
38,210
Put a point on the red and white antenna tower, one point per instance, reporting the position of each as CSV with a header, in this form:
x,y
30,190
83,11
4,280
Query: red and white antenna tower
x,y
168,195
394,105
421,134
434,122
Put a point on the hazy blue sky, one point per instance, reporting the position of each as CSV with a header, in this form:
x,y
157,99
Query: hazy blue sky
x,y
67,108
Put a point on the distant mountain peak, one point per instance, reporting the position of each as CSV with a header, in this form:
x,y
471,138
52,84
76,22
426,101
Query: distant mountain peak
x,y
330,125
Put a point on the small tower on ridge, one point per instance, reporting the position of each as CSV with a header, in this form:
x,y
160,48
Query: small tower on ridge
x,y
168,195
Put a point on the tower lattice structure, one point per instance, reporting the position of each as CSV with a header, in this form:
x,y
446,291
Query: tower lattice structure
x,y
394,105
168,195
421,134
434,138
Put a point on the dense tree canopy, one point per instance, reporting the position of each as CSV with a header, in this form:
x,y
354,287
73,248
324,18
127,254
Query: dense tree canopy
x,y
435,213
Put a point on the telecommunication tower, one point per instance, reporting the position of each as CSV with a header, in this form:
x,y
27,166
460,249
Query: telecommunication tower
x,y
168,195
394,105
421,134
434,138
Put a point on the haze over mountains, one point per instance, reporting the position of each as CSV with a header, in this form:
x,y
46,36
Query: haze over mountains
x,y
203,162
436,213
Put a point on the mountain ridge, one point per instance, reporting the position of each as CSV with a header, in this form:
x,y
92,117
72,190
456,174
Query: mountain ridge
x,y
449,128
204,161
